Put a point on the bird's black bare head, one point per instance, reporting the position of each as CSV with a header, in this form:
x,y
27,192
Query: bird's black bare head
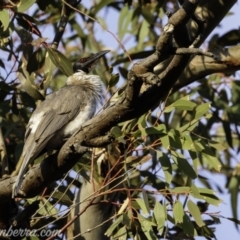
x,y
86,64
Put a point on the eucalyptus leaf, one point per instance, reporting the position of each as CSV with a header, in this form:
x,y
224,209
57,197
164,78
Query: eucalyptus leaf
x,y
4,18
159,215
60,61
24,5
194,210
115,224
178,212
30,89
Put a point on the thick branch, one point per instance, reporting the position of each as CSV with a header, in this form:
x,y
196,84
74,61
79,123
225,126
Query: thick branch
x,y
226,61
212,12
41,175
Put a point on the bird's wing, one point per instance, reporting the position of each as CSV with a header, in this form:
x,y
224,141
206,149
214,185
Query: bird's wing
x,y
54,113
51,115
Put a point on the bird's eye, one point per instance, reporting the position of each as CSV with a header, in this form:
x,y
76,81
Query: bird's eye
x,y
83,60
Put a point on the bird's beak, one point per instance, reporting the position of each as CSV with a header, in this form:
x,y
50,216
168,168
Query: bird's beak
x,y
90,61
96,56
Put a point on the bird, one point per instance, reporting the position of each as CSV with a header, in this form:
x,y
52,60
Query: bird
x,y
61,114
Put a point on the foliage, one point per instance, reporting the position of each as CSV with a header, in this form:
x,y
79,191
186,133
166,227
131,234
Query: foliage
x,y
167,153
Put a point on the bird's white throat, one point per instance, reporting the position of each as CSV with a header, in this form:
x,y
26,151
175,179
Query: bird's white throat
x,y
93,82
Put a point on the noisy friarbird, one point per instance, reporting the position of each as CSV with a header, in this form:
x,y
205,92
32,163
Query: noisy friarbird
x,y
61,114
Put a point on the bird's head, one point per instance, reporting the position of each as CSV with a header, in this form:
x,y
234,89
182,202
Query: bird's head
x,y
86,64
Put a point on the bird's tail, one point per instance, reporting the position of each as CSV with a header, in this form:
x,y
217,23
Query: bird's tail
x,y
17,184
20,170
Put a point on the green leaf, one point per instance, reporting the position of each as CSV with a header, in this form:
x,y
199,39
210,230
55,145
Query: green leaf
x,y
144,205
181,104
60,61
199,145
135,160
218,146
228,132
159,215
159,130
165,141
188,126
146,131
124,21
180,190
36,60
195,192
116,131
212,161
114,226
175,139
205,194
4,18
62,198
142,121
24,5
144,31
137,237
113,80
194,210
234,220
121,234
233,187
187,142
183,165
145,199
187,225
178,212
48,71
216,219
230,38
211,199
201,110
30,89
142,125
153,131
148,16
207,232
100,5
168,109
146,226
166,166
46,208
28,23
38,42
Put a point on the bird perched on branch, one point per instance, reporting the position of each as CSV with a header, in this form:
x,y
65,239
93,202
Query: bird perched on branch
x,y
61,114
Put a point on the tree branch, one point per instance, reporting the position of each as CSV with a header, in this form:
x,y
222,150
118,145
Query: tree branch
x,y
226,61
65,14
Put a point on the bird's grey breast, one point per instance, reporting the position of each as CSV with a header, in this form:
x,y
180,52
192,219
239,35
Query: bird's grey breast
x,y
79,108
87,108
